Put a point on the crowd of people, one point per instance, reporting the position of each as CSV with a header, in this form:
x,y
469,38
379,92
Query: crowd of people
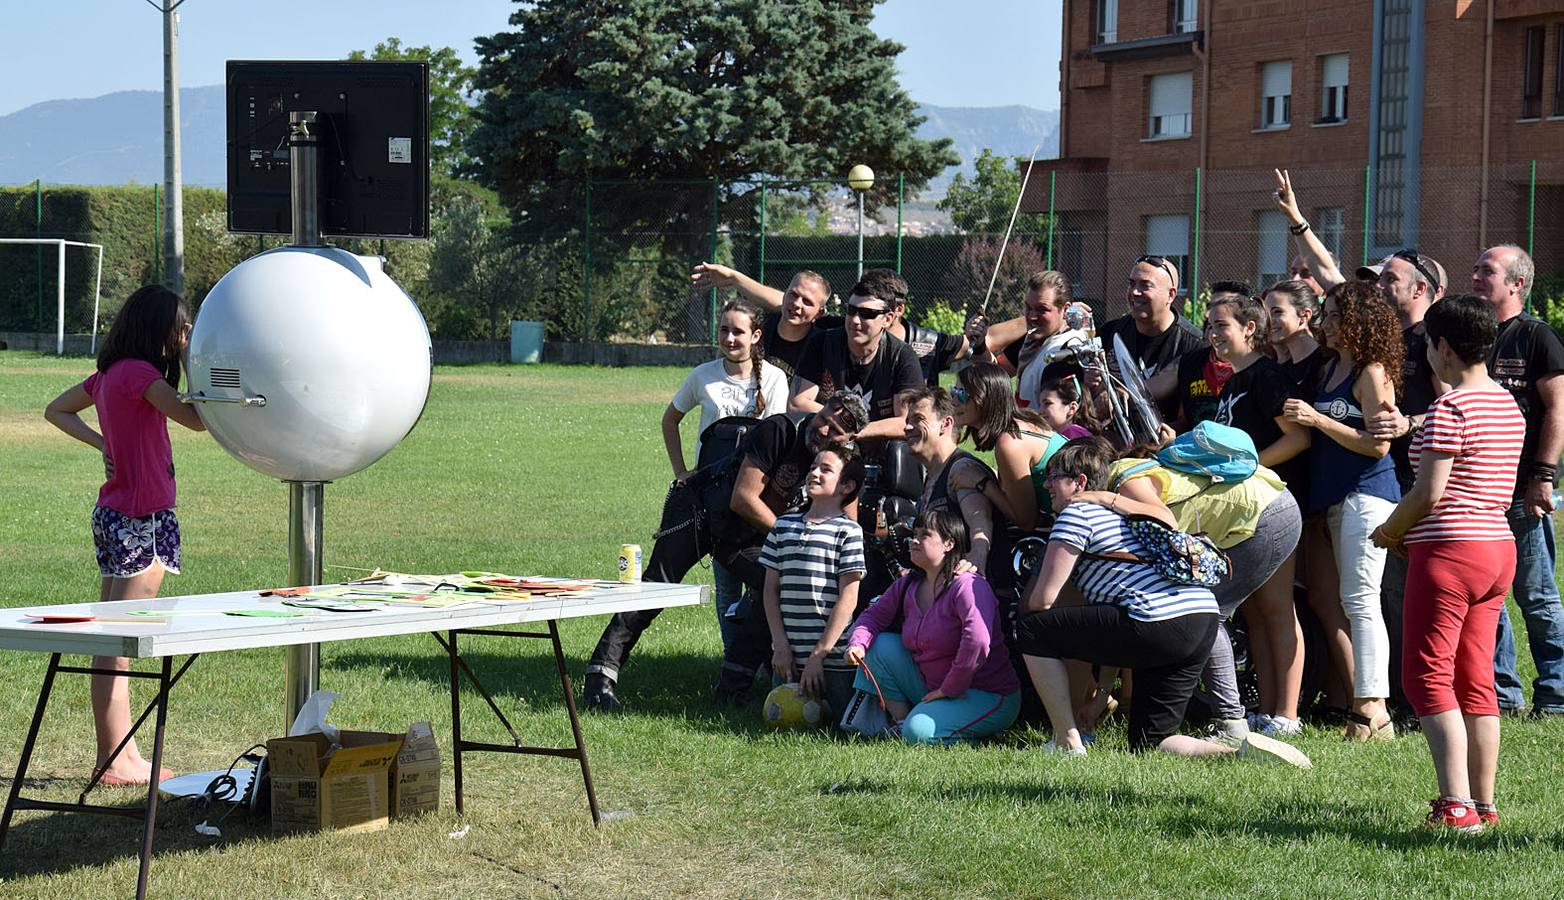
x,y
1373,455
1401,440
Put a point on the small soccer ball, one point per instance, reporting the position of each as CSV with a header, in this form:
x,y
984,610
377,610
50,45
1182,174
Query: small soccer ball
x,y
785,707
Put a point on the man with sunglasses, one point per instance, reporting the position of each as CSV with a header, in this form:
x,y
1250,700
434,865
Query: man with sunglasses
x,y
860,357
1153,331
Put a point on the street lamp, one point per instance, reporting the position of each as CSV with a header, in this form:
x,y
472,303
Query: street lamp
x,y
860,178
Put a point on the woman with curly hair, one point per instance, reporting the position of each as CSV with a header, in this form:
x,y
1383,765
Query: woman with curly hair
x,y
1353,479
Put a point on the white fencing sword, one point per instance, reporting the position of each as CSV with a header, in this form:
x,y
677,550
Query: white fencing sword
x,y
983,310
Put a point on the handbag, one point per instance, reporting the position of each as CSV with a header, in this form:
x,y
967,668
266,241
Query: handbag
x,y
1178,556
866,714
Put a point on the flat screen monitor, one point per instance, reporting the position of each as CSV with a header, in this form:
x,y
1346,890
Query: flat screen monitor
x,y
373,130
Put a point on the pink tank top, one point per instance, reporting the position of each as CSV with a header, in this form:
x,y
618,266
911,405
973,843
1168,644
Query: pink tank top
x,y
135,439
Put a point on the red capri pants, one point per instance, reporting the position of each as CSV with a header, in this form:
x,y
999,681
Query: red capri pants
x,y
1454,596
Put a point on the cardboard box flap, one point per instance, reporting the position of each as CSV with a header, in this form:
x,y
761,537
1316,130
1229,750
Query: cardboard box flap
x,y
362,752
297,756
419,745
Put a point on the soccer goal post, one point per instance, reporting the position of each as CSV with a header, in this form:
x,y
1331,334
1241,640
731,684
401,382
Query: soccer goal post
x,y
59,256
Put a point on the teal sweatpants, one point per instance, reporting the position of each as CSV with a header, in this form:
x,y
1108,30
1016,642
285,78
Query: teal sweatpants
x,y
973,715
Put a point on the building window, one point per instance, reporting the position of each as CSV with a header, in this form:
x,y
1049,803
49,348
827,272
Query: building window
x,y
1276,94
1271,251
1391,149
1531,88
1107,21
1333,88
1558,71
1332,229
1184,16
1169,103
1168,237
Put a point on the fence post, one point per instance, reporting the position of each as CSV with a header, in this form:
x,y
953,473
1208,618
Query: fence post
x,y
1194,268
711,296
38,254
1053,177
901,186
1368,177
762,231
586,266
157,231
1531,211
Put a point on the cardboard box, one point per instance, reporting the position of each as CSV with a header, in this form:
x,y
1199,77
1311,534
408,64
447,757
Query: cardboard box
x,y
415,777
373,777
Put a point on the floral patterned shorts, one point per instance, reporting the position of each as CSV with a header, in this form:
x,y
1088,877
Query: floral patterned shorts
x,y
128,545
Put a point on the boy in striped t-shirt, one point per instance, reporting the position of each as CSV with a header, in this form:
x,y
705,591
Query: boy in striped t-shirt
x,y
1460,553
815,562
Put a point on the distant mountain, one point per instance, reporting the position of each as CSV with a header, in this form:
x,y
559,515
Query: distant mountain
x,y
118,138
1006,130
113,139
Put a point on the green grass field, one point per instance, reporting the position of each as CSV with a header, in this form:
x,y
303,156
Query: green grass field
x,y
547,470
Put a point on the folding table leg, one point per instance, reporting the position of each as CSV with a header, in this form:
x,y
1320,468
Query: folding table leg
x,y
27,747
150,824
575,721
456,717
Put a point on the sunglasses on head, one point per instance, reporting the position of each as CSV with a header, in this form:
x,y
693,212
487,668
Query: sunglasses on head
x,y
1161,263
861,312
1420,263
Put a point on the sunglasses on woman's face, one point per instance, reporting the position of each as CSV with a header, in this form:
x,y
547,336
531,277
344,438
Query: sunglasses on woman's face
x,y
959,393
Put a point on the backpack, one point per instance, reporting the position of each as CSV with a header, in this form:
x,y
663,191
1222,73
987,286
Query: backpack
x,y
1178,556
1221,453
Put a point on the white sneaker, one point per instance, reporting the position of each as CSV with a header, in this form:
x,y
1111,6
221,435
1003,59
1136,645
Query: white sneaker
x,y
1281,726
1229,733
1053,749
1266,749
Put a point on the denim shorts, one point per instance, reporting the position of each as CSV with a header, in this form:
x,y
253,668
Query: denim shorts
x,y
128,545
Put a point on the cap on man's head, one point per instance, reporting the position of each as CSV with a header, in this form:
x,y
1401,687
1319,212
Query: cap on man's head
x,y
851,411
1371,273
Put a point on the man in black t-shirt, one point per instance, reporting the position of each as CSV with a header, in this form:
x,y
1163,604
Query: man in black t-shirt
x,y
863,359
1153,332
794,315
728,515
1528,359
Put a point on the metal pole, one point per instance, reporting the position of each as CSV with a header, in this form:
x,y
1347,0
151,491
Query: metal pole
x,y
1194,268
860,233
1531,211
1368,177
174,224
157,229
304,163
762,232
1053,179
301,668
586,268
302,661
59,290
711,298
901,189
97,296
38,254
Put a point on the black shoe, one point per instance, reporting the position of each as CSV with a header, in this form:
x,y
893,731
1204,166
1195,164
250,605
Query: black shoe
x,y
598,695
1551,712
727,698
1513,712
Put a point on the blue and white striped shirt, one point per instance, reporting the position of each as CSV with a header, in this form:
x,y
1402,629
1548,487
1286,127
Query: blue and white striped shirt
x,y
1144,594
809,558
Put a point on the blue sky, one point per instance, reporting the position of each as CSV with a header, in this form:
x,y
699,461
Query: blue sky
x,y
959,52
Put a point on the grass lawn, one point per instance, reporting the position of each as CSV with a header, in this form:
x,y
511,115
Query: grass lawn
x,y
546,470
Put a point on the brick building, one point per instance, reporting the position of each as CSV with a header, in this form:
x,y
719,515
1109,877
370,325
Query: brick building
x,y
1430,115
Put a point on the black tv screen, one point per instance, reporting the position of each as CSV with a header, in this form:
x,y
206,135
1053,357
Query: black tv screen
x,y
373,129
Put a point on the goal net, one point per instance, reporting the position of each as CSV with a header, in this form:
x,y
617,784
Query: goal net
x,y
39,283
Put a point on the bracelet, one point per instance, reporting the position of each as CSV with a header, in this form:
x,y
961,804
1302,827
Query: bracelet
x,y
1114,503
1541,471
1300,228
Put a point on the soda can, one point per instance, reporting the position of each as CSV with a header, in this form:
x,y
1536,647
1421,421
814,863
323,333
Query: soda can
x,y
630,563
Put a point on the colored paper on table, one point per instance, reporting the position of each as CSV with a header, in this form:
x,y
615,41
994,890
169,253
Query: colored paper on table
x,y
264,613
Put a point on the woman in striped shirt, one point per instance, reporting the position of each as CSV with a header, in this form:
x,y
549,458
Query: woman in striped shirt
x,y
1133,618
1452,527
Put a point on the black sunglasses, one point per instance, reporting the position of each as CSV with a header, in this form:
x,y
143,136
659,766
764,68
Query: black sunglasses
x,y
865,313
1161,263
1419,262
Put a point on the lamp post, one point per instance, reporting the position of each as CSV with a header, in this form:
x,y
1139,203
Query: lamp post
x,y
860,178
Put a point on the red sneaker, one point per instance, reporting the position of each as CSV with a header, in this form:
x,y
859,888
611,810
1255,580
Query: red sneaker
x,y
1449,812
1488,814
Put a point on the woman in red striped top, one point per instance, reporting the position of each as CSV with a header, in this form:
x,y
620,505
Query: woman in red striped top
x,y
1461,554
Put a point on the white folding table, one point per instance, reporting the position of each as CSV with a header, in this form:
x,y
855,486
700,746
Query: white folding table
x,y
202,623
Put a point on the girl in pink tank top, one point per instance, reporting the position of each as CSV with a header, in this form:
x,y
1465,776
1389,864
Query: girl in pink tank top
x,y
136,533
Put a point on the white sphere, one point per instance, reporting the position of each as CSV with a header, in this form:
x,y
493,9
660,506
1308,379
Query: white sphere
x,y
860,177
339,352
